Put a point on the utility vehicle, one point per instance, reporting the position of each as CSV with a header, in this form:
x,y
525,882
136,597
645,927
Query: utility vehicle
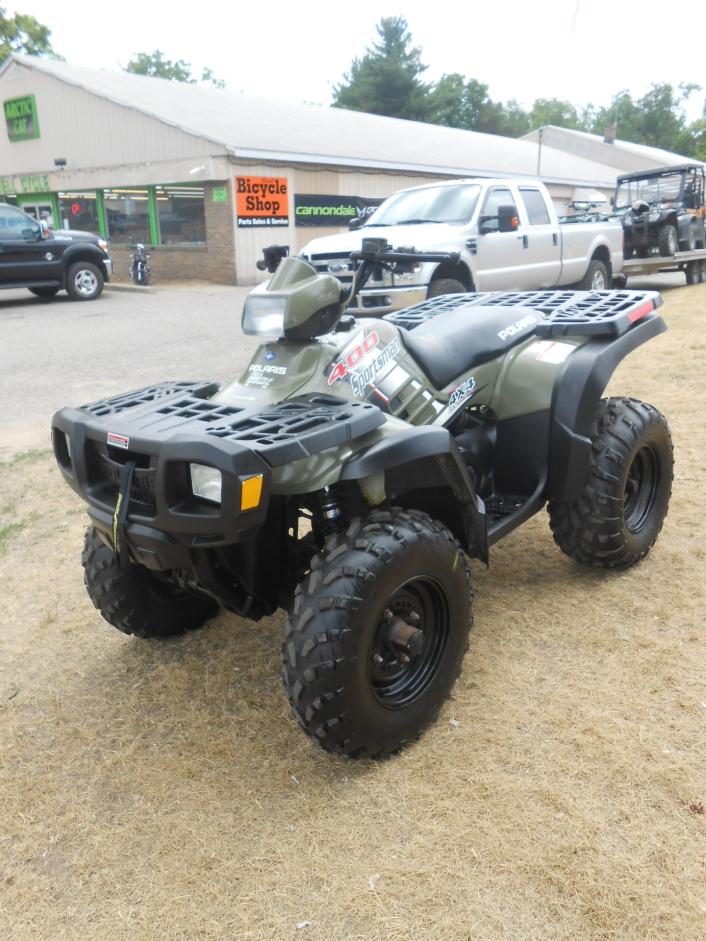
x,y
353,468
662,210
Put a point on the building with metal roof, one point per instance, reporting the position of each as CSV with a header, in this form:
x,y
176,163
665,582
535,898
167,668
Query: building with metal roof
x,y
208,177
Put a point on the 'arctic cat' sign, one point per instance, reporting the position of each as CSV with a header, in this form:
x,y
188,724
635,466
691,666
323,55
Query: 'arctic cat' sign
x,y
21,118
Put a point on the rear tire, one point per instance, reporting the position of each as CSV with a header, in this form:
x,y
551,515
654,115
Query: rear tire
x,y
689,244
84,281
350,690
667,240
596,277
446,286
44,292
138,601
616,520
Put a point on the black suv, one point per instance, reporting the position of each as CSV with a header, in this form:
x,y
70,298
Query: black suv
x,y
30,257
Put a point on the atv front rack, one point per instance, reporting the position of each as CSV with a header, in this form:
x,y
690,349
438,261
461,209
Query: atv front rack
x,y
565,313
159,431
279,433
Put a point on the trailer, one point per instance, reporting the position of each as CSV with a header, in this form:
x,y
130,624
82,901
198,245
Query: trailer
x,y
693,264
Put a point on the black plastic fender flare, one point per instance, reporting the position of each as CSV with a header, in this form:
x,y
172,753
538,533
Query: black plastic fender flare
x,y
83,251
577,392
424,459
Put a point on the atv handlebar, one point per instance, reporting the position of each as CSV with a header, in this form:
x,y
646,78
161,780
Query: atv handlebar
x,y
380,251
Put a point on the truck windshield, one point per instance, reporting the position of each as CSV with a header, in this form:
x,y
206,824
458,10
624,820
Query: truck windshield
x,y
658,189
450,204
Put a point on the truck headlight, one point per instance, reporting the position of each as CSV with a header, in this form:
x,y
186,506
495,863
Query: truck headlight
x,y
407,277
206,482
102,244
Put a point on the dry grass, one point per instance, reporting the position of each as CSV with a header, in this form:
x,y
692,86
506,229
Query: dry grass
x,y
155,790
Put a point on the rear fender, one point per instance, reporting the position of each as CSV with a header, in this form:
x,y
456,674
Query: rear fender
x,y
577,394
423,469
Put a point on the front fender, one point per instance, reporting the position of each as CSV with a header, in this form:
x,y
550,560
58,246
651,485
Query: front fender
x,y
577,393
423,468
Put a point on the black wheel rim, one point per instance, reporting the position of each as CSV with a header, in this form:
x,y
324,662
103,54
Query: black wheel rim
x,y
641,488
394,683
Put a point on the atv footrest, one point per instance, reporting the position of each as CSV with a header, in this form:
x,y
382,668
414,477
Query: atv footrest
x,y
565,313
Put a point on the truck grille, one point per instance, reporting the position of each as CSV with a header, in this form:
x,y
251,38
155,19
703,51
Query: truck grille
x,y
340,266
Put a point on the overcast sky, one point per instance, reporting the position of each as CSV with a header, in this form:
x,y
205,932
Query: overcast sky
x,y
523,49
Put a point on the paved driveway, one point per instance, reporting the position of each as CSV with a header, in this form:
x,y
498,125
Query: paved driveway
x,y
63,352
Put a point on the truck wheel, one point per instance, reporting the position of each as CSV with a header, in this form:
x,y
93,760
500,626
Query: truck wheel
x,y
84,281
377,633
617,518
44,292
692,270
445,286
139,602
596,278
667,240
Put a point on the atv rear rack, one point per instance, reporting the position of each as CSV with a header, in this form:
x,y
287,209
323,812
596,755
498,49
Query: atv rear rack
x,y
566,313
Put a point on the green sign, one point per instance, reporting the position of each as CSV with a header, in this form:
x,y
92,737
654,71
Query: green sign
x,y
220,194
21,118
34,183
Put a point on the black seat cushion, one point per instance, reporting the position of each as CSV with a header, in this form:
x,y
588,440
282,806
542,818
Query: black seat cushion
x,y
448,345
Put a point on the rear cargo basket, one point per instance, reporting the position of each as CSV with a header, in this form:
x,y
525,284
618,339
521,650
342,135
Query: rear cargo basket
x,y
565,313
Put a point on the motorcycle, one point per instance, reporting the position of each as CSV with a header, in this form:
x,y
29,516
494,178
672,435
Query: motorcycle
x,y
139,269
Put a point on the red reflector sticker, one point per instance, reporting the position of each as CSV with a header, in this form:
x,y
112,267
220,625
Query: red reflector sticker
x,y
643,309
118,441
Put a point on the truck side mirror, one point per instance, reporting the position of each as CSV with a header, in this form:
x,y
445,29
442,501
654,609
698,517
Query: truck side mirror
x,y
507,219
356,222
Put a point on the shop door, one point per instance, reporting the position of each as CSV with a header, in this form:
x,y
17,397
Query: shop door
x,y
40,210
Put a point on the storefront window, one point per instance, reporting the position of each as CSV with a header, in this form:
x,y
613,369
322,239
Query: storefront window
x,y
79,211
127,212
181,214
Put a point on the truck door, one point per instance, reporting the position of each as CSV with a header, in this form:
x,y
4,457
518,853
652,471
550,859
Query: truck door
x,y
25,255
500,256
543,254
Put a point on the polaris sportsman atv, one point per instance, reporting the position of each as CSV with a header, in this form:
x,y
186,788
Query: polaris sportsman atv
x,y
352,469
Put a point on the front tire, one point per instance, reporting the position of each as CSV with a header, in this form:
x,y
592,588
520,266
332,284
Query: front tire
x,y
392,573
84,281
667,240
617,518
139,602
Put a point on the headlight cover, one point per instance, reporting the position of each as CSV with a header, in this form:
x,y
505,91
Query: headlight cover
x,y
206,482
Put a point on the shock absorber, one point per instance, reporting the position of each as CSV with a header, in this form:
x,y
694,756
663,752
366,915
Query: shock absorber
x,y
329,512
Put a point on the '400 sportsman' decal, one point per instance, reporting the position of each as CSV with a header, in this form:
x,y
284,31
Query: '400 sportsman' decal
x,y
361,365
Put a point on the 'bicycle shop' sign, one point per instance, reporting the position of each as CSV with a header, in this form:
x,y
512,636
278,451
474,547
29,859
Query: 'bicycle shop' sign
x,y
261,201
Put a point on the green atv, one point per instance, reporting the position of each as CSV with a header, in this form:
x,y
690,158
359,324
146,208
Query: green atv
x,y
354,467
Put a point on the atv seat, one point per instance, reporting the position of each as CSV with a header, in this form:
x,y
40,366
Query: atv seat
x,y
448,345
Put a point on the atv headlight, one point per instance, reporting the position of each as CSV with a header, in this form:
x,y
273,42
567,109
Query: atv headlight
x,y
264,316
206,482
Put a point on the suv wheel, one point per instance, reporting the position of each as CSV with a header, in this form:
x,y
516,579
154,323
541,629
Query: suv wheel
x,y
44,292
84,281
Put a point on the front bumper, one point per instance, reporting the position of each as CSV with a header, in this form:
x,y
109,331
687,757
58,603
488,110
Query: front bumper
x,y
108,265
159,431
374,302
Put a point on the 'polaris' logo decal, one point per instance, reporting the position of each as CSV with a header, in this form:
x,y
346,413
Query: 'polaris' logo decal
x,y
529,321
118,441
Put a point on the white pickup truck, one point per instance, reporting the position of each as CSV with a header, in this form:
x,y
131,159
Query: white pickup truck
x,y
506,231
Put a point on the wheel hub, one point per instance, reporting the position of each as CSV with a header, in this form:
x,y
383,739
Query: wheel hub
x,y
408,642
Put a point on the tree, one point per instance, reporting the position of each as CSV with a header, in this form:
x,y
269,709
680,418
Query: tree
x,y
386,80
25,34
156,65
554,111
